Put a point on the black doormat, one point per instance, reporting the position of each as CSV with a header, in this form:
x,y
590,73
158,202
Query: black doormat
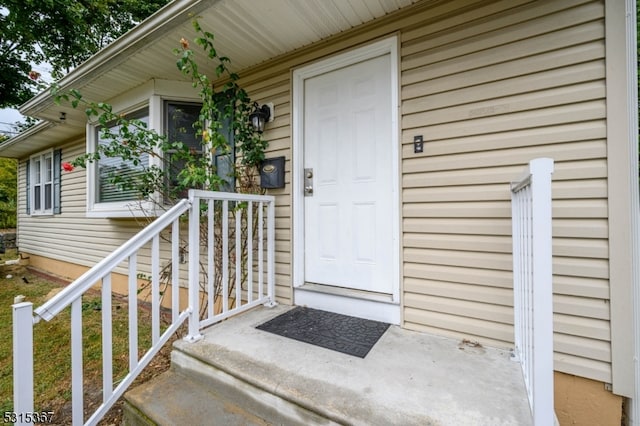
x,y
342,333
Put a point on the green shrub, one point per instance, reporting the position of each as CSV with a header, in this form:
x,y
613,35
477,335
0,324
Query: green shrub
x,y
8,214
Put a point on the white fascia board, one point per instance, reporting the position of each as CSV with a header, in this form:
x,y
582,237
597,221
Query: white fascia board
x,y
12,148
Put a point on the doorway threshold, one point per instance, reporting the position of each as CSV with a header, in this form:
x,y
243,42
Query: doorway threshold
x,y
348,292
358,303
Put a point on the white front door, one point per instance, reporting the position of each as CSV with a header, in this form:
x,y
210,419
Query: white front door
x,y
348,169
347,148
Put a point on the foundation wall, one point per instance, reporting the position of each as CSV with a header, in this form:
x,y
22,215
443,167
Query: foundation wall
x,y
580,401
68,272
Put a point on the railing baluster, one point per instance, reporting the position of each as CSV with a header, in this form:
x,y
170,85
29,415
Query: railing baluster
x,y
271,240
225,256
244,261
529,285
155,289
194,270
238,284
107,341
261,250
211,251
77,390
133,311
175,270
22,359
523,275
250,252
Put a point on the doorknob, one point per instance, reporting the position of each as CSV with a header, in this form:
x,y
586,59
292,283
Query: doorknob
x,y
308,182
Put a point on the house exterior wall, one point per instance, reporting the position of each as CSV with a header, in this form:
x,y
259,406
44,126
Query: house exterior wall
x,y
490,86
70,236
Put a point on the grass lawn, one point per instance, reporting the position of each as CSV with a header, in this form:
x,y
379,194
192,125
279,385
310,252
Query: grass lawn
x,y
52,348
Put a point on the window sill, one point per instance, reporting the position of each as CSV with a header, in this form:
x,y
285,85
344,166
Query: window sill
x,y
122,210
41,214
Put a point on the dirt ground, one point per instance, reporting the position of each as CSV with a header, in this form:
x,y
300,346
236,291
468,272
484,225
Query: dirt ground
x,y
93,387
93,392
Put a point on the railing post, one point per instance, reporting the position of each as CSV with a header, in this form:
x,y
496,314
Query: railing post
x,y
194,268
271,244
22,359
541,170
533,290
77,367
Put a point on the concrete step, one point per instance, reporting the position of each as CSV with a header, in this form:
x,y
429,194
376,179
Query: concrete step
x,y
197,393
172,399
240,375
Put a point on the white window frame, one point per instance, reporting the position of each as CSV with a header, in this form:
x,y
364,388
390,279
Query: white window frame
x,y
163,124
33,183
115,209
151,95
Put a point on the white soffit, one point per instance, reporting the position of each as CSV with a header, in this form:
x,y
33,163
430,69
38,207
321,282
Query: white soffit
x,y
247,31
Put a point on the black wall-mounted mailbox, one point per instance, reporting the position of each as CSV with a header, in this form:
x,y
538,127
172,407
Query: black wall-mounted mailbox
x,y
272,173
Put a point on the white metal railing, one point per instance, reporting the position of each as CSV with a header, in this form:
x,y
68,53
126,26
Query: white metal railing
x,y
532,285
255,206
235,264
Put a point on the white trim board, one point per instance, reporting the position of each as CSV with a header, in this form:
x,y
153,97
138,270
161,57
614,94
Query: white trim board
x,y
622,180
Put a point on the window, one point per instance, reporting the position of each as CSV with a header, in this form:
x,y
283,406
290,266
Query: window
x,y
43,183
108,167
225,160
179,120
171,117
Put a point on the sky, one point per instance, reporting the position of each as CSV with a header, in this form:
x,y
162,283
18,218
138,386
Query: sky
x,y
8,116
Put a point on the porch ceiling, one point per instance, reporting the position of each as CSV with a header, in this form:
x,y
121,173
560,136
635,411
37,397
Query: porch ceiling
x,y
247,31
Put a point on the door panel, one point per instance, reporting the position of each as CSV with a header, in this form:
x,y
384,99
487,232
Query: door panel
x,y
348,226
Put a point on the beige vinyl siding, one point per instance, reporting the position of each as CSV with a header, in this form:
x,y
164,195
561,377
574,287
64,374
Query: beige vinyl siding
x,y
488,96
276,89
71,236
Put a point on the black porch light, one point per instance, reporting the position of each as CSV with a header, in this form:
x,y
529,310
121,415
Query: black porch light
x,y
259,116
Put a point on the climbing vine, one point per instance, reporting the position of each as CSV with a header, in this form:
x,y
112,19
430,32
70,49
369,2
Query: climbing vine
x,y
224,115
224,109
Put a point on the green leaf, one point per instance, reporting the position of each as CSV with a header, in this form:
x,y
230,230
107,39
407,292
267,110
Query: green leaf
x,y
65,33
76,93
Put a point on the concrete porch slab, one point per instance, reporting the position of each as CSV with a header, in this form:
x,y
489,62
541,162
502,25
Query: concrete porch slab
x,y
407,378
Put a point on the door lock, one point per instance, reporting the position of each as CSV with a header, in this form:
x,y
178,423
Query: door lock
x,y
308,182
